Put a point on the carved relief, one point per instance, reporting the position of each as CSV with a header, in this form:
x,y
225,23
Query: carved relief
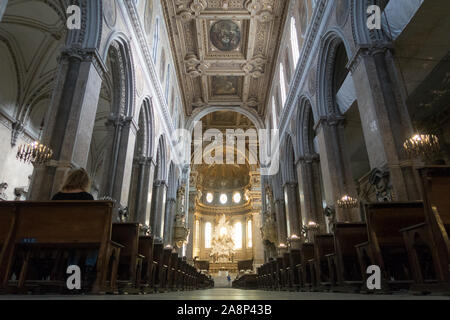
x,y
255,66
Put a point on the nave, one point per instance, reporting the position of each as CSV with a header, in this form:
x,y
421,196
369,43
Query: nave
x,y
233,294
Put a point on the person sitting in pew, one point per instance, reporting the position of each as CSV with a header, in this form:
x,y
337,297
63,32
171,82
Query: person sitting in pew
x,y
75,187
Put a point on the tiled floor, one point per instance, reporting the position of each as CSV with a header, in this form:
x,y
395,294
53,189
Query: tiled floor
x,y
236,294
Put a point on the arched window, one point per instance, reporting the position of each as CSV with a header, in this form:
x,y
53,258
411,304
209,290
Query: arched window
x,y
282,85
237,235
274,113
249,234
167,83
155,40
208,234
294,42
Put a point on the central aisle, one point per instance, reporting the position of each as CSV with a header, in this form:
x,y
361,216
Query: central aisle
x,y
234,294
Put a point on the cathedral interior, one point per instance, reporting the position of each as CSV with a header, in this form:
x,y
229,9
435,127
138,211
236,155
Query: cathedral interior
x,y
246,149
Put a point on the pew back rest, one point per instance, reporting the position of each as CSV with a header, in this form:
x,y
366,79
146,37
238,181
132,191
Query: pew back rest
x,y
323,245
245,264
384,220
295,257
348,235
146,247
127,234
157,252
436,184
7,218
63,222
307,252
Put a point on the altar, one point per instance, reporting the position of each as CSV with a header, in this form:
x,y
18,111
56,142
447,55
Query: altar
x,y
215,267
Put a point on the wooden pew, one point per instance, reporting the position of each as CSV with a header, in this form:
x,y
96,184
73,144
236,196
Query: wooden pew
x,y
7,219
305,271
345,273
59,226
273,277
244,265
286,283
428,243
158,249
323,245
294,260
386,247
130,264
146,250
165,269
173,273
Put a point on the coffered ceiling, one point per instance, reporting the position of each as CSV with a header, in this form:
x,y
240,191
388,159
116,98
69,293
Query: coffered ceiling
x,y
225,49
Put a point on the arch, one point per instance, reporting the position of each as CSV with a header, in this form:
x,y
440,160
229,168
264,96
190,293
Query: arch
x,y
146,111
118,48
200,113
161,163
330,45
306,118
288,160
361,34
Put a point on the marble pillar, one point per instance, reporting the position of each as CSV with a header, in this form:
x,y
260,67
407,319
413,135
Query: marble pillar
x,y
191,220
335,164
384,116
157,216
171,206
257,241
120,167
70,121
308,172
280,214
292,209
140,192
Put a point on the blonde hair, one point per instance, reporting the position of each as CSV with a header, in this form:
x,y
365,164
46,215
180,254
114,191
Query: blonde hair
x,y
77,179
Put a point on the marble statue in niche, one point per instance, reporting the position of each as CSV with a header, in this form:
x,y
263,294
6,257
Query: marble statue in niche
x,y
225,35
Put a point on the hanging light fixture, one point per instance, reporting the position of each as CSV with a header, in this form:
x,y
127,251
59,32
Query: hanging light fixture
x,y
35,152
347,202
421,145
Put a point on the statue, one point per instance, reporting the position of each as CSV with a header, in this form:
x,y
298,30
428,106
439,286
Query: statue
x,y
3,187
222,242
181,233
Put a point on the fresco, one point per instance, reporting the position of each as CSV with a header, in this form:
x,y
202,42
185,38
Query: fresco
x,y
225,35
225,85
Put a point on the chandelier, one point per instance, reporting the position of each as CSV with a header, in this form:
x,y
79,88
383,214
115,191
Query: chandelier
x,y
421,145
35,152
347,202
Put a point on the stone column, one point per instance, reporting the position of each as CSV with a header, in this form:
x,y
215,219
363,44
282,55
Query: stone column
x,y
280,214
120,167
292,209
191,220
140,193
336,173
171,206
384,116
3,5
257,241
309,190
70,121
159,208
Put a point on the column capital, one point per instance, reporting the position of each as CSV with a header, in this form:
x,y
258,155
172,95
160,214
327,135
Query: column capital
x,y
279,201
366,50
75,51
331,120
160,183
308,158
